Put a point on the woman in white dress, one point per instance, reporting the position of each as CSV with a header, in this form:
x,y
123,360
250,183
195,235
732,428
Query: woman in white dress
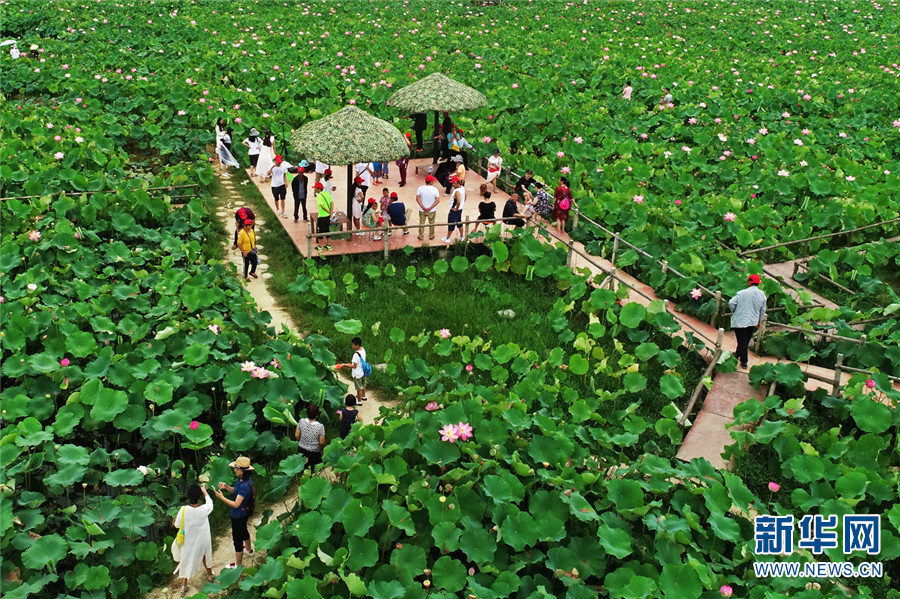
x,y
495,162
197,548
266,157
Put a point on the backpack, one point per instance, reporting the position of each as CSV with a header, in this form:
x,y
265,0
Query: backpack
x,y
251,501
366,367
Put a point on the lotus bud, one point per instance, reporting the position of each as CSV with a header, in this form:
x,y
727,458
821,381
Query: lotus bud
x,y
442,499
56,447
546,464
427,572
451,507
47,395
84,485
426,583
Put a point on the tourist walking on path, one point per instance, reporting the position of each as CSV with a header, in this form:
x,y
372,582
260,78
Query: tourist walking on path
x,y
748,307
627,91
247,243
223,149
266,157
310,436
562,204
240,216
495,163
360,367
298,189
427,198
487,210
241,504
253,142
324,205
221,128
457,203
349,414
403,163
196,551
279,185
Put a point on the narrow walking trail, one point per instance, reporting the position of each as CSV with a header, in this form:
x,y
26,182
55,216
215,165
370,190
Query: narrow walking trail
x,y
229,201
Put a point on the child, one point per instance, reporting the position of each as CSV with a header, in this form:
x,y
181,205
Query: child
x,y
348,415
357,374
370,216
357,210
384,201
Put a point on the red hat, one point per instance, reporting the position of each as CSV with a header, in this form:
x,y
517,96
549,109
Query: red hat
x,y
278,158
300,169
454,180
753,280
327,172
394,194
358,180
371,200
430,178
408,135
318,186
248,221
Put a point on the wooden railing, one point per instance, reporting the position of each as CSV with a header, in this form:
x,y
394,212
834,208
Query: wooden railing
x,y
806,241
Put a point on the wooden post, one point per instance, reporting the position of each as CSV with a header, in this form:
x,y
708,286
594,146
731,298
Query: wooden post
x,y
615,249
759,335
665,266
862,340
575,219
309,251
384,235
612,279
720,338
466,229
836,385
571,254
712,321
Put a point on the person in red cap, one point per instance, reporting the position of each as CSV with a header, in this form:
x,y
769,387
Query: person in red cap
x,y
240,216
325,205
279,185
457,203
748,307
247,243
427,197
397,212
403,163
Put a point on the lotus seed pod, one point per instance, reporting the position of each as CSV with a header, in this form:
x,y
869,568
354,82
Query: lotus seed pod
x,y
442,499
426,583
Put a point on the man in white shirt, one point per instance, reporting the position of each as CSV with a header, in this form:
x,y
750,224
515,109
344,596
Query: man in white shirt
x,y
279,186
626,93
427,198
321,167
14,52
457,203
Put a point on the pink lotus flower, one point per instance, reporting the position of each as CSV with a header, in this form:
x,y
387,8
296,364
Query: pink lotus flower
x,y
638,199
64,362
32,287
2,299
726,590
431,406
464,431
678,202
560,154
696,293
275,363
783,173
238,120
237,106
515,86
870,383
444,333
59,155
194,425
57,138
578,140
565,170
449,433
730,217
486,139
34,235
214,328
774,487
763,131
182,112
248,366
469,368
260,373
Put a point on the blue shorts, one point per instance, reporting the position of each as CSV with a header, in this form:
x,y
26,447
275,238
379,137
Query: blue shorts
x,y
454,218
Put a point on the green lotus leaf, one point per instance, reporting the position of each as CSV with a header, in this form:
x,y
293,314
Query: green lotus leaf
x,y
350,327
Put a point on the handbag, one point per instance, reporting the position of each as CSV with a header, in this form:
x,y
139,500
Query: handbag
x,y
178,543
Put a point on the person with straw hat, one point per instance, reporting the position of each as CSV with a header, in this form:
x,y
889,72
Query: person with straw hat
x,y
241,504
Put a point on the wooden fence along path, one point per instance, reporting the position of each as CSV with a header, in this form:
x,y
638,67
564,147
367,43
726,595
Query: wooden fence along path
x,y
709,433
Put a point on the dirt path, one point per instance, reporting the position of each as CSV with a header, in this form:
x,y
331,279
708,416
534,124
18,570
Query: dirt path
x,y
369,412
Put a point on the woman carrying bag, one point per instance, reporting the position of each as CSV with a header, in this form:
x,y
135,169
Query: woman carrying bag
x,y
193,545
